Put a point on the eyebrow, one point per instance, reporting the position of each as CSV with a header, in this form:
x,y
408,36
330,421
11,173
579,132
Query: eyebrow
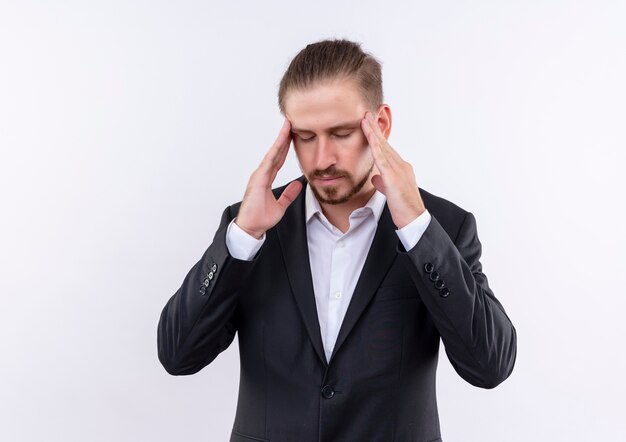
x,y
347,125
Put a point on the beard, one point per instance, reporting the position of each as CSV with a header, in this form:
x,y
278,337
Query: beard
x,y
330,194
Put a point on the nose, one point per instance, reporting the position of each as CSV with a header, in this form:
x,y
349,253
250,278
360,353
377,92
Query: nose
x,y
326,154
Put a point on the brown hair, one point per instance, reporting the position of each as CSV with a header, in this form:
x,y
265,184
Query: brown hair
x,y
327,60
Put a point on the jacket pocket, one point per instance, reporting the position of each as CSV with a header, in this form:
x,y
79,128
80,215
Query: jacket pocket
x,y
237,436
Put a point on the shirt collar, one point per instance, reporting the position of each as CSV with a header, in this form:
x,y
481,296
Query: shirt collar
x,y
374,206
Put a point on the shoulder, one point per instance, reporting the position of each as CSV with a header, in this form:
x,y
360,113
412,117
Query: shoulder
x,y
450,215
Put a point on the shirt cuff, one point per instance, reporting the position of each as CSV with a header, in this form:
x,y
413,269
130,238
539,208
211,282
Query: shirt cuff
x,y
413,231
240,244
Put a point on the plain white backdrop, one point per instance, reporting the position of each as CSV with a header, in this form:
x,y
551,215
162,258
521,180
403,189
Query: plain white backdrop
x,y
127,126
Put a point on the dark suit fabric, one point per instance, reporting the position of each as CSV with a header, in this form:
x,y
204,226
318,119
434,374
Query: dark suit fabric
x,y
380,380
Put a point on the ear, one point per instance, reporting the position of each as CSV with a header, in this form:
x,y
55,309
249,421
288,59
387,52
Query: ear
x,y
384,119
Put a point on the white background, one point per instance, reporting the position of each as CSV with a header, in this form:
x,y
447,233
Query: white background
x,y
127,126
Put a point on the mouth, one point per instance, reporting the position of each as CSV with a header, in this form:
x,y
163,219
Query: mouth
x,y
329,180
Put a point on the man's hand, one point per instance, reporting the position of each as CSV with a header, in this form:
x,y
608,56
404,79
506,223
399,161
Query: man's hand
x,y
396,180
260,210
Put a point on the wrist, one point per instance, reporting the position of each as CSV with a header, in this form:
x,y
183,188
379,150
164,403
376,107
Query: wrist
x,y
254,233
409,218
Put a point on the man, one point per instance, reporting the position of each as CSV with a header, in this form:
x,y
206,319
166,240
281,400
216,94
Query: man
x,y
341,283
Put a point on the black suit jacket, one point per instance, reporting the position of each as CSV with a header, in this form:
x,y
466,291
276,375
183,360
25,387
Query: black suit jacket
x,y
379,384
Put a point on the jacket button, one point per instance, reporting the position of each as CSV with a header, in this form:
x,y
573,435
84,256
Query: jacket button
x,y
444,292
440,284
214,268
328,391
434,276
428,267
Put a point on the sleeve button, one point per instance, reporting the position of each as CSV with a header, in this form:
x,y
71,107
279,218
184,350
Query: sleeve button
x,y
429,267
434,276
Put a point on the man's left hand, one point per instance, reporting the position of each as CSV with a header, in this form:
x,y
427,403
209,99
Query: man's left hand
x,y
396,180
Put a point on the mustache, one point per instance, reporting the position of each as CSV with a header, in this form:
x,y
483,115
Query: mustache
x,y
331,171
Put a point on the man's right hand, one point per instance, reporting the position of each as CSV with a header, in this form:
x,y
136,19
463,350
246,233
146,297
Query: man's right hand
x,y
260,210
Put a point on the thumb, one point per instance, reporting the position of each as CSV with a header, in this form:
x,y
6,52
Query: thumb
x,y
289,194
377,181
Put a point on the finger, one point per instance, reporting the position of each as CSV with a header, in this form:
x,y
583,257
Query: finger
x,y
289,194
381,158
284,133
282,156
378,133
284,149
266,173
283,152
278,149
394,153
283,139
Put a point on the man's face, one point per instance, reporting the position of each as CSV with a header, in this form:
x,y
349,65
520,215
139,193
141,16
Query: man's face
x,y
331,147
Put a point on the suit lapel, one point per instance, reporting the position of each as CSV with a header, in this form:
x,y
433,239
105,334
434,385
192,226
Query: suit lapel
x,y
380,257
293,242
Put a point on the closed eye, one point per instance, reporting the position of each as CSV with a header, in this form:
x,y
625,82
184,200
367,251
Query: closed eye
x,y
305,140
343,135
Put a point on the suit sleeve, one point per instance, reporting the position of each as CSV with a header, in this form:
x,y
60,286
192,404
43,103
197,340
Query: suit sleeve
x,y
479,338
198,321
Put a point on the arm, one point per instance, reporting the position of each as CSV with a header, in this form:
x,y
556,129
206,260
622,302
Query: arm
x,y
479,338
197,322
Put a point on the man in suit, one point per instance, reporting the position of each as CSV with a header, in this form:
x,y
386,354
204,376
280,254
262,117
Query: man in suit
x,y
341,283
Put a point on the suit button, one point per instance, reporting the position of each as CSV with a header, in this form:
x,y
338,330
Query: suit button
x,y
428,267
434,276
444,292
440,284
214,268
328,391
210,276
202,290
206,282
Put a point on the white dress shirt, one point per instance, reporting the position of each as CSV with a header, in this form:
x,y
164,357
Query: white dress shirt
x,y
336,258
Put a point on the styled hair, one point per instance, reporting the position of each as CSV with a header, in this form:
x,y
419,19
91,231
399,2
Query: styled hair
x,y
329,60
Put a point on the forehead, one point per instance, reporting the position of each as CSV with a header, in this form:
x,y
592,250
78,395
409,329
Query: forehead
x,y
324,105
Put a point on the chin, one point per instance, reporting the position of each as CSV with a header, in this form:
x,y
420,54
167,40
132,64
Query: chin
x,y
334,195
